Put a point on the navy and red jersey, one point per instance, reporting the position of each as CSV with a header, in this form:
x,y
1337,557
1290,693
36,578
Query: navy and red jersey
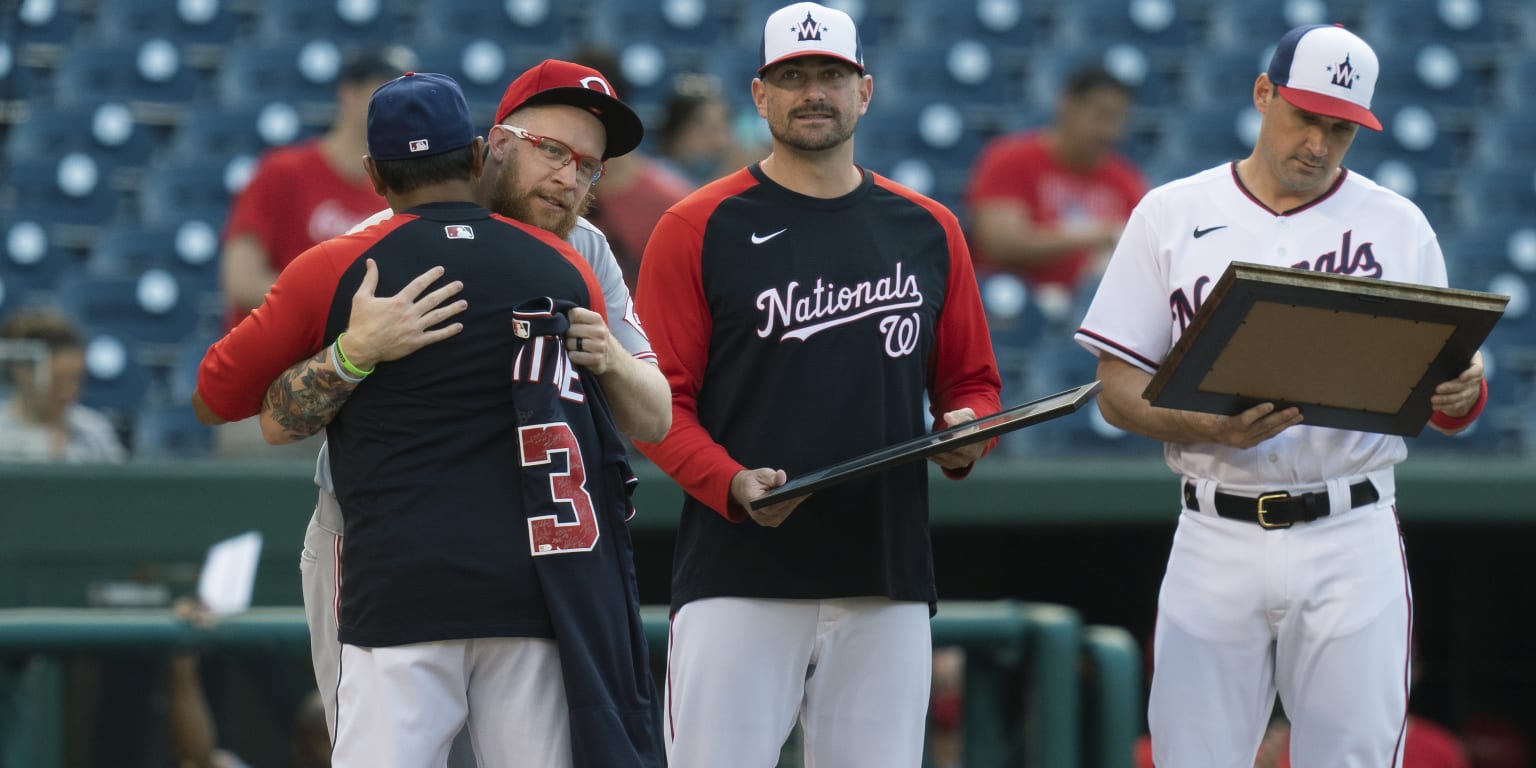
x,y
797,332
425,454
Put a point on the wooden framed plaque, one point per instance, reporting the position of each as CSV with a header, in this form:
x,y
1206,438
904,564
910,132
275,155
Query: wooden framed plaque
x,y
923,446
1351,352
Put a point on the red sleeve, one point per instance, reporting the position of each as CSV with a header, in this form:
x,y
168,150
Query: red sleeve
x,y
963,372
287,328
670,295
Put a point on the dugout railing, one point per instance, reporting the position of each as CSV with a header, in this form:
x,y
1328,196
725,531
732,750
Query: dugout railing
x,y
1041,690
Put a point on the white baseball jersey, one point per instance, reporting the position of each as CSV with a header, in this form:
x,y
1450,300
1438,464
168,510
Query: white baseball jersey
x,y
1179,241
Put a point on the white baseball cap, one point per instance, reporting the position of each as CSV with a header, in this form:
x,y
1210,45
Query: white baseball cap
x,y
1326,69
809,29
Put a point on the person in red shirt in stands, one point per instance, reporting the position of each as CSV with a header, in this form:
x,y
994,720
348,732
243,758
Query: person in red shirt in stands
x,y
308,192
1049,204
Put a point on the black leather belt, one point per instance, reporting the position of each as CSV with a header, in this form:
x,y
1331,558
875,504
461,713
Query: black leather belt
x,y
1280,510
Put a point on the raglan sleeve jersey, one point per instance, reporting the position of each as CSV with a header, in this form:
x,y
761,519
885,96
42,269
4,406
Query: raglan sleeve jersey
x,y
1179,241
796,332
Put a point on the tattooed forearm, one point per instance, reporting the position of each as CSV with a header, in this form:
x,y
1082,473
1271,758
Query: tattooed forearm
x,y
306,396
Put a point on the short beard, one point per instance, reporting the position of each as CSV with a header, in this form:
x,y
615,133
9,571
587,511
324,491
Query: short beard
x,y
506,201
842,133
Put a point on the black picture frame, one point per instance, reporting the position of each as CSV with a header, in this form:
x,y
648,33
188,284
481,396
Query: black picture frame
x,y
923,446
1353,353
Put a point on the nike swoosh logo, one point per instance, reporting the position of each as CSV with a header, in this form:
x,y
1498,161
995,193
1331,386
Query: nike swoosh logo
x,y
1199,233
760,239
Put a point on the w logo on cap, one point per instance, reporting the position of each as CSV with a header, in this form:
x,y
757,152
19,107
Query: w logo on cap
x,y
1344,74
810,29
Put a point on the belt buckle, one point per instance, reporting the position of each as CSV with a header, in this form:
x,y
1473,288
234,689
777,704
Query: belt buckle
x,y
1264,523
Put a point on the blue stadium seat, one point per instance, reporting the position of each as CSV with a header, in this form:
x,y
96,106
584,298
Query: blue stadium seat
x,y
675,24
107,131
151,76
249,131
302,73
1007,26
1156,25
542,23
204,23
30,258
358,21
1198,139
73,189
1501,137
153,307
172,192
19,82
1223,79
40,26
1250,28
482,66
187,249
964,72
1470,24
1496,196
170,432
116,382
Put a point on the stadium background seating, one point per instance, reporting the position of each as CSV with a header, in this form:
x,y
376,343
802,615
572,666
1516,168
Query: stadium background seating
x,y
127,126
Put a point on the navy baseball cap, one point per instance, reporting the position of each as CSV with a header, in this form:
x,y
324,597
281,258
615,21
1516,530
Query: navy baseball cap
x,y
419,114
1327,70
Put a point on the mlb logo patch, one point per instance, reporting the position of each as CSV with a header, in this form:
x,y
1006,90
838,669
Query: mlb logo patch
x,y
522,328
419,145
459,232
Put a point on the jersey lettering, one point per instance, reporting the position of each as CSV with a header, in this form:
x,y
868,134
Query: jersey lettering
x,y
828,305
1183,309
530,370
548,535
1342,262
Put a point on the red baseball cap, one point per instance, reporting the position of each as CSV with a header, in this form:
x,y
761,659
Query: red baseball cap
x,y
563,82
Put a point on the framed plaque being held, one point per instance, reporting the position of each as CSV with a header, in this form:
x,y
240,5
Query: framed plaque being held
x,y
1350,352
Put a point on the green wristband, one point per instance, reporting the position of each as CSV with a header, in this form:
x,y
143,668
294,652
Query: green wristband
x,y
346,365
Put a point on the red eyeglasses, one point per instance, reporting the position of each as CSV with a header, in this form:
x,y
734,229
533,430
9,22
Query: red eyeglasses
x,y
558,154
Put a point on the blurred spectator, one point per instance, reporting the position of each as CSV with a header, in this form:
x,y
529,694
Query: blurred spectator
x,y
696,138
301,195
44,359
635,190
195,739
1049,204
308,192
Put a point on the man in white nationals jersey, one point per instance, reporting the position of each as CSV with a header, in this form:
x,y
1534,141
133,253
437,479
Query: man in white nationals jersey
x,y
1306,596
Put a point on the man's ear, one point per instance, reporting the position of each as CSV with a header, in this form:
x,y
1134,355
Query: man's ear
x,y
373,176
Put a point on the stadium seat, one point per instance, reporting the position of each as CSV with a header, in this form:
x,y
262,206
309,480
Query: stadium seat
x,y
19,83
188,249
1223,79
1469,24
482,66
444,23
675,24
1249,28
151,76
249,131
1006,26
40,27
1497,196
1156,25
172,192
31,262
153,307
116,382
357,21
170,432
106,131
300,73
74,189
199,23
1502,136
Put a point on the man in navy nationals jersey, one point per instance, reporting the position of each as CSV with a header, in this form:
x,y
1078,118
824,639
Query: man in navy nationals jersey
x,y
442,617
552,100
1287,572
801,308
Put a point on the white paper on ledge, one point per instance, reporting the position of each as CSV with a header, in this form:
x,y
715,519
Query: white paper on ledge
x,y
229,573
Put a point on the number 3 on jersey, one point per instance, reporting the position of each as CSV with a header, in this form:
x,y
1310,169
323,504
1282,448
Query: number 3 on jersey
x,y
547,535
